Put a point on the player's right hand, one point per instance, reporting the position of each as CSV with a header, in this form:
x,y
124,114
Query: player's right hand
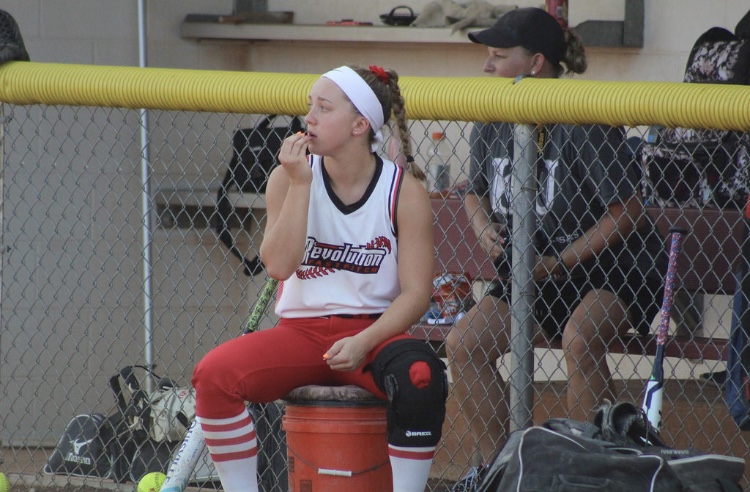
x,y
293,158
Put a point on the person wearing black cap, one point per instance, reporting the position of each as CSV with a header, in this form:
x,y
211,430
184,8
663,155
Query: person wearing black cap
x,y
600,260
533,33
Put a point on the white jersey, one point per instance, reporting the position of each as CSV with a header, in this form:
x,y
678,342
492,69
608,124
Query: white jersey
x,y
351,253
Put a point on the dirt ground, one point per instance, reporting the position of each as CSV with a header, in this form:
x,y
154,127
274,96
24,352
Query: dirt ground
x,y
443,487
67,488
30,483
433,486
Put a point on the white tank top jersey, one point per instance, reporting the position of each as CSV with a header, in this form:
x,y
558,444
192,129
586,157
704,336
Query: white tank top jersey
x,y
351,253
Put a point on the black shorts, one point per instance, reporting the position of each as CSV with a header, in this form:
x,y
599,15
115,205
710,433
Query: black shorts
x,y
558,299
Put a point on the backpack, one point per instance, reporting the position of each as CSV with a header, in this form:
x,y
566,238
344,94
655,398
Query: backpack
x,y
619,452
148,427
172,409
164,415
702,167
254,153
84,450
138,438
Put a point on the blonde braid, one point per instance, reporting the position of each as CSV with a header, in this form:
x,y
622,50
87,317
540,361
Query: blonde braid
x,y
389,95
398,106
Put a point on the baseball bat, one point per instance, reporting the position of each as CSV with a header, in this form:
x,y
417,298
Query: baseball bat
x,y
652,401
186,459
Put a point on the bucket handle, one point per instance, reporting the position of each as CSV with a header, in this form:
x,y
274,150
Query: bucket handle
x,y
336,473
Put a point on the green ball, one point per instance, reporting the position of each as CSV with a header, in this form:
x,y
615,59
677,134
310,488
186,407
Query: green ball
x,y
151,482
4,484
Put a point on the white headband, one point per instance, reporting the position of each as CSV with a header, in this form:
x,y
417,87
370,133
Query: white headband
x,y
363,98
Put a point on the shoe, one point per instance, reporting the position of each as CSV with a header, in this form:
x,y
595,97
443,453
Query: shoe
x,y
471,481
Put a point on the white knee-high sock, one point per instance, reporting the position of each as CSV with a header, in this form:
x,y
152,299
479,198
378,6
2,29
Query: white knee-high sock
x,y
234,450
410,467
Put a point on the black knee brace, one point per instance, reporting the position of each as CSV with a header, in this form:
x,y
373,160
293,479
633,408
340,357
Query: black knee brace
x,y
413,377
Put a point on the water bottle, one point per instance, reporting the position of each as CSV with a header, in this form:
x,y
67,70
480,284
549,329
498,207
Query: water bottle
x,y
559,10
436,168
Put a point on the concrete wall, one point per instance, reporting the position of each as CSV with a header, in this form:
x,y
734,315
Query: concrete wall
x,y
104,32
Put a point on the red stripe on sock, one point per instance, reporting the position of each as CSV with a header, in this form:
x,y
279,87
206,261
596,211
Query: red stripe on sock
x,y
239,455
231,441
226,427
411,455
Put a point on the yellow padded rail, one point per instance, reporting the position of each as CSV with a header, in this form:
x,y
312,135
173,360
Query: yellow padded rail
x,y
153,88
430,98
579,101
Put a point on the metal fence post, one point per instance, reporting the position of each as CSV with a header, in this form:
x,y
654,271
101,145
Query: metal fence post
x,y
522,298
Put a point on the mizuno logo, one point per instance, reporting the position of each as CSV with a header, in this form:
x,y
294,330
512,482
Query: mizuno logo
x,y
74,458
77,445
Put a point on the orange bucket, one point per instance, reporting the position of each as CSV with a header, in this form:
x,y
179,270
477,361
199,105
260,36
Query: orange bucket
x,y
337,445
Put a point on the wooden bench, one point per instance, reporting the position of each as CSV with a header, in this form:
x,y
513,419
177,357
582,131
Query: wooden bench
x,y
709,252
188,196
183,203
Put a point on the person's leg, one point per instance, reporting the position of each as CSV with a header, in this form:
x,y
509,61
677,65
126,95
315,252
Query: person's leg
x,y
248,368
233,447
473,347
600,317
412,376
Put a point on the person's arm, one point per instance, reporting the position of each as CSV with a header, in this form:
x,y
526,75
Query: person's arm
x,y
287,202
487,232
416,256
476,200
608,174
615,226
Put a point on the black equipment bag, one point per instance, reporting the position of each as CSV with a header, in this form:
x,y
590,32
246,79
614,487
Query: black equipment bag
x,y
116,446
84,450
619,452
134,453
695,168
254,152
703,167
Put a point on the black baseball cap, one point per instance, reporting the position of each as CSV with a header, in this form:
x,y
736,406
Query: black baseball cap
x,y
533,28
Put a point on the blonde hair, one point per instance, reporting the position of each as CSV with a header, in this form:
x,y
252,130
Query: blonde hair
x,y
389,95
575,54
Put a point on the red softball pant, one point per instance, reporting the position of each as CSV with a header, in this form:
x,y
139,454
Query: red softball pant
x,y
266,365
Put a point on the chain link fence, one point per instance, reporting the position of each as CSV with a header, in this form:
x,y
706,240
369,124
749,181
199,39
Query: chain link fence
x,y
111,258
